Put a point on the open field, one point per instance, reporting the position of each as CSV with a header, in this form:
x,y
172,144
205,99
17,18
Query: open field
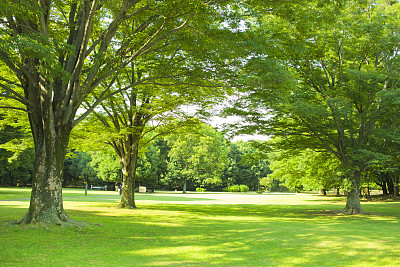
x,y
171,229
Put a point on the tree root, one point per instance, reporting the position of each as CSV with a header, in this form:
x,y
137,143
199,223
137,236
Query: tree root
x,y
342,212
49,221
126,206
354,211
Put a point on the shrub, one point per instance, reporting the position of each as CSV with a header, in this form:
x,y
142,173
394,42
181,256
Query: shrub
x,y
201,189
237,188
243,188
234,188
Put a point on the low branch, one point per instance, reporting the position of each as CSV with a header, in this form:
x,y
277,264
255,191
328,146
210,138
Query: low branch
x,y
16,96
165,133
101,98
191,84
10,107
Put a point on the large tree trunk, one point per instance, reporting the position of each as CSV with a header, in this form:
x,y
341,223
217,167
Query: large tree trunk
x,y
46,204
353,204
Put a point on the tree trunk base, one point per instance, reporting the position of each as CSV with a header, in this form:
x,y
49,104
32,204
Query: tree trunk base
x,y
48,222
353,211
125,206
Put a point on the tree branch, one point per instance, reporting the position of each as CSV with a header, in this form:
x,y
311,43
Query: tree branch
x,y
10,107
18,97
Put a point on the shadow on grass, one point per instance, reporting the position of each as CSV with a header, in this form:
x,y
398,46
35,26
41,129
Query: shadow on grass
x,y
239,235
171,198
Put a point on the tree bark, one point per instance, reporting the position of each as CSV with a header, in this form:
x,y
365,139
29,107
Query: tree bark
x,y
384,187
353,204
129,164
184,186
395,181
46,204
390,185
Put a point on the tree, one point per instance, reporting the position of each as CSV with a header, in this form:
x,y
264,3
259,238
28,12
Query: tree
x,y
199,156
305,170
184,68
60,52
106,166
321,80
78,169
247,165
148,167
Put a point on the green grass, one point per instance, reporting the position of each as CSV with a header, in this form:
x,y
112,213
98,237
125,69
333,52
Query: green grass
x,y
202,229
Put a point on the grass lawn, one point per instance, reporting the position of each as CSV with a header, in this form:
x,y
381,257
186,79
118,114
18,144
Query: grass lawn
x,y
202,229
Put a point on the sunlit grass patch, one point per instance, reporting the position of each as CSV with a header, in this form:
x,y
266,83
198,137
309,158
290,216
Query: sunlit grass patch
x,y
268,230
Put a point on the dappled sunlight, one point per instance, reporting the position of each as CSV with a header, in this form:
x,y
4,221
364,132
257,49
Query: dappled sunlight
x,y
190,254
167,233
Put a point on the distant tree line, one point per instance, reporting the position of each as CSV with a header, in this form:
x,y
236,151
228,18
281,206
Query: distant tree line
x,y
201,158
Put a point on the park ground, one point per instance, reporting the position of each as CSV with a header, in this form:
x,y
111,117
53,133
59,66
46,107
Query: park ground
x,y
203,229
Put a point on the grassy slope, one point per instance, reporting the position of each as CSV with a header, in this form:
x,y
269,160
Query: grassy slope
x,y
198,229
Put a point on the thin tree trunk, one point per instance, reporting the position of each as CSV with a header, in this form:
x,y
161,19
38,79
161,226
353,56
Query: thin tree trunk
x,y
384,188
390,185
337,192
184,186
395,181
129,164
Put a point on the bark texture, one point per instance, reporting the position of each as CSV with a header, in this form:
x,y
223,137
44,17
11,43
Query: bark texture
x,y
46,204
128,164
395,181
353,203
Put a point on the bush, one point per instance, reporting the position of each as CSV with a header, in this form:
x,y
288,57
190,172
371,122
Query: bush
x,y
201,189
234,188
237,188
244,188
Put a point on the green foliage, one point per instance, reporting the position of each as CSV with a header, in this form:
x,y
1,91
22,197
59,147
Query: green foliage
x,y
150,166
322,77
198,189
106,166
306,170
247,165
200,155
78,169
16,152
237,188
266,182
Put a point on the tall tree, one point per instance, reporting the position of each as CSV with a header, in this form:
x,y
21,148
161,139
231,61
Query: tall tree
x,y
247,165
305,170
60,52
106,166
189,68
200,156
321,79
